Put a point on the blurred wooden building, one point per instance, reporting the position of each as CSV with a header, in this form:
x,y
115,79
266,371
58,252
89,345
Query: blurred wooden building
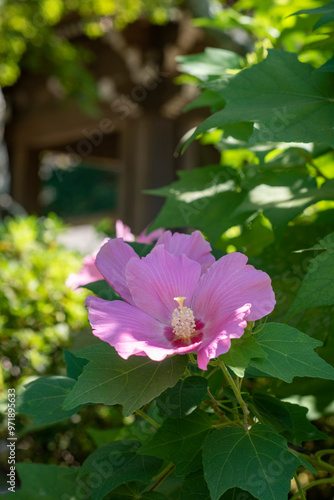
x,y
131,141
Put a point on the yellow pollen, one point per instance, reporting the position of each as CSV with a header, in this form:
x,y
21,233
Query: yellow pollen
x,y
183,321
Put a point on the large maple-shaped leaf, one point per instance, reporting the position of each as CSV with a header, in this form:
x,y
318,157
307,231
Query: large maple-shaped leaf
x,y
107,378
259,462
317,288
290,353
286,99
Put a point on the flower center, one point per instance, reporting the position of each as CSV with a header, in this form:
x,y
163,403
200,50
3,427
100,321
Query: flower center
x,y
183,321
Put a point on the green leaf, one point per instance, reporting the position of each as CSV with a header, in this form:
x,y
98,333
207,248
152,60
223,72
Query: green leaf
x,y
237,494
103,436
184,397
134,491
328,66
74,365
194,487
285,418
141,249
207,98
259,462
153,495
301,429
128,491
180,441
206,199
241,352
286,99
114,464
211,62
256,234
317,288
203,198
270,411
107,378
43,398
289,354
281,197
47,482
103,290
327,11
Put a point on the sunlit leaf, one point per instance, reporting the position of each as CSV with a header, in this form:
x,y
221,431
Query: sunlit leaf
x,y
286,99
317,288
212,62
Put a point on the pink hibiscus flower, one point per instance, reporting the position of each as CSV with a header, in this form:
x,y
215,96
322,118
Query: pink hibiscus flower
x,y
89,272
177,299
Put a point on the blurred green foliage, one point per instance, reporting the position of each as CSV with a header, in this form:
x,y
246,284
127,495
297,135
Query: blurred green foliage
x,y
38,312
30,38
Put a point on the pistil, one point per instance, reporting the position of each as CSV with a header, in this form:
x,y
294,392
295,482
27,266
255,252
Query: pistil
x,y
183,321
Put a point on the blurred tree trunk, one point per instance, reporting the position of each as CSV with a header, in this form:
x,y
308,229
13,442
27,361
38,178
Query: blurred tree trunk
x,y
4,172
7,204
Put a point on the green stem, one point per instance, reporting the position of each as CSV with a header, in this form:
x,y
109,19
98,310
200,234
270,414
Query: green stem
x,y
229,423
299,487
162,476
192,358
211,373
147,418
309,160
226,408
236,393
320,453
326,480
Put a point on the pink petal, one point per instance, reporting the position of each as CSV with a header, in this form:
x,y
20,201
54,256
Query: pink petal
x,y
111,261
87,274
123,231
128,329
221,336
156,279
149,238
192,245
230,284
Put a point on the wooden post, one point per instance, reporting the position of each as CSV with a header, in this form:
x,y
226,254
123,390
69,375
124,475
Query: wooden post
x,y
147,156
